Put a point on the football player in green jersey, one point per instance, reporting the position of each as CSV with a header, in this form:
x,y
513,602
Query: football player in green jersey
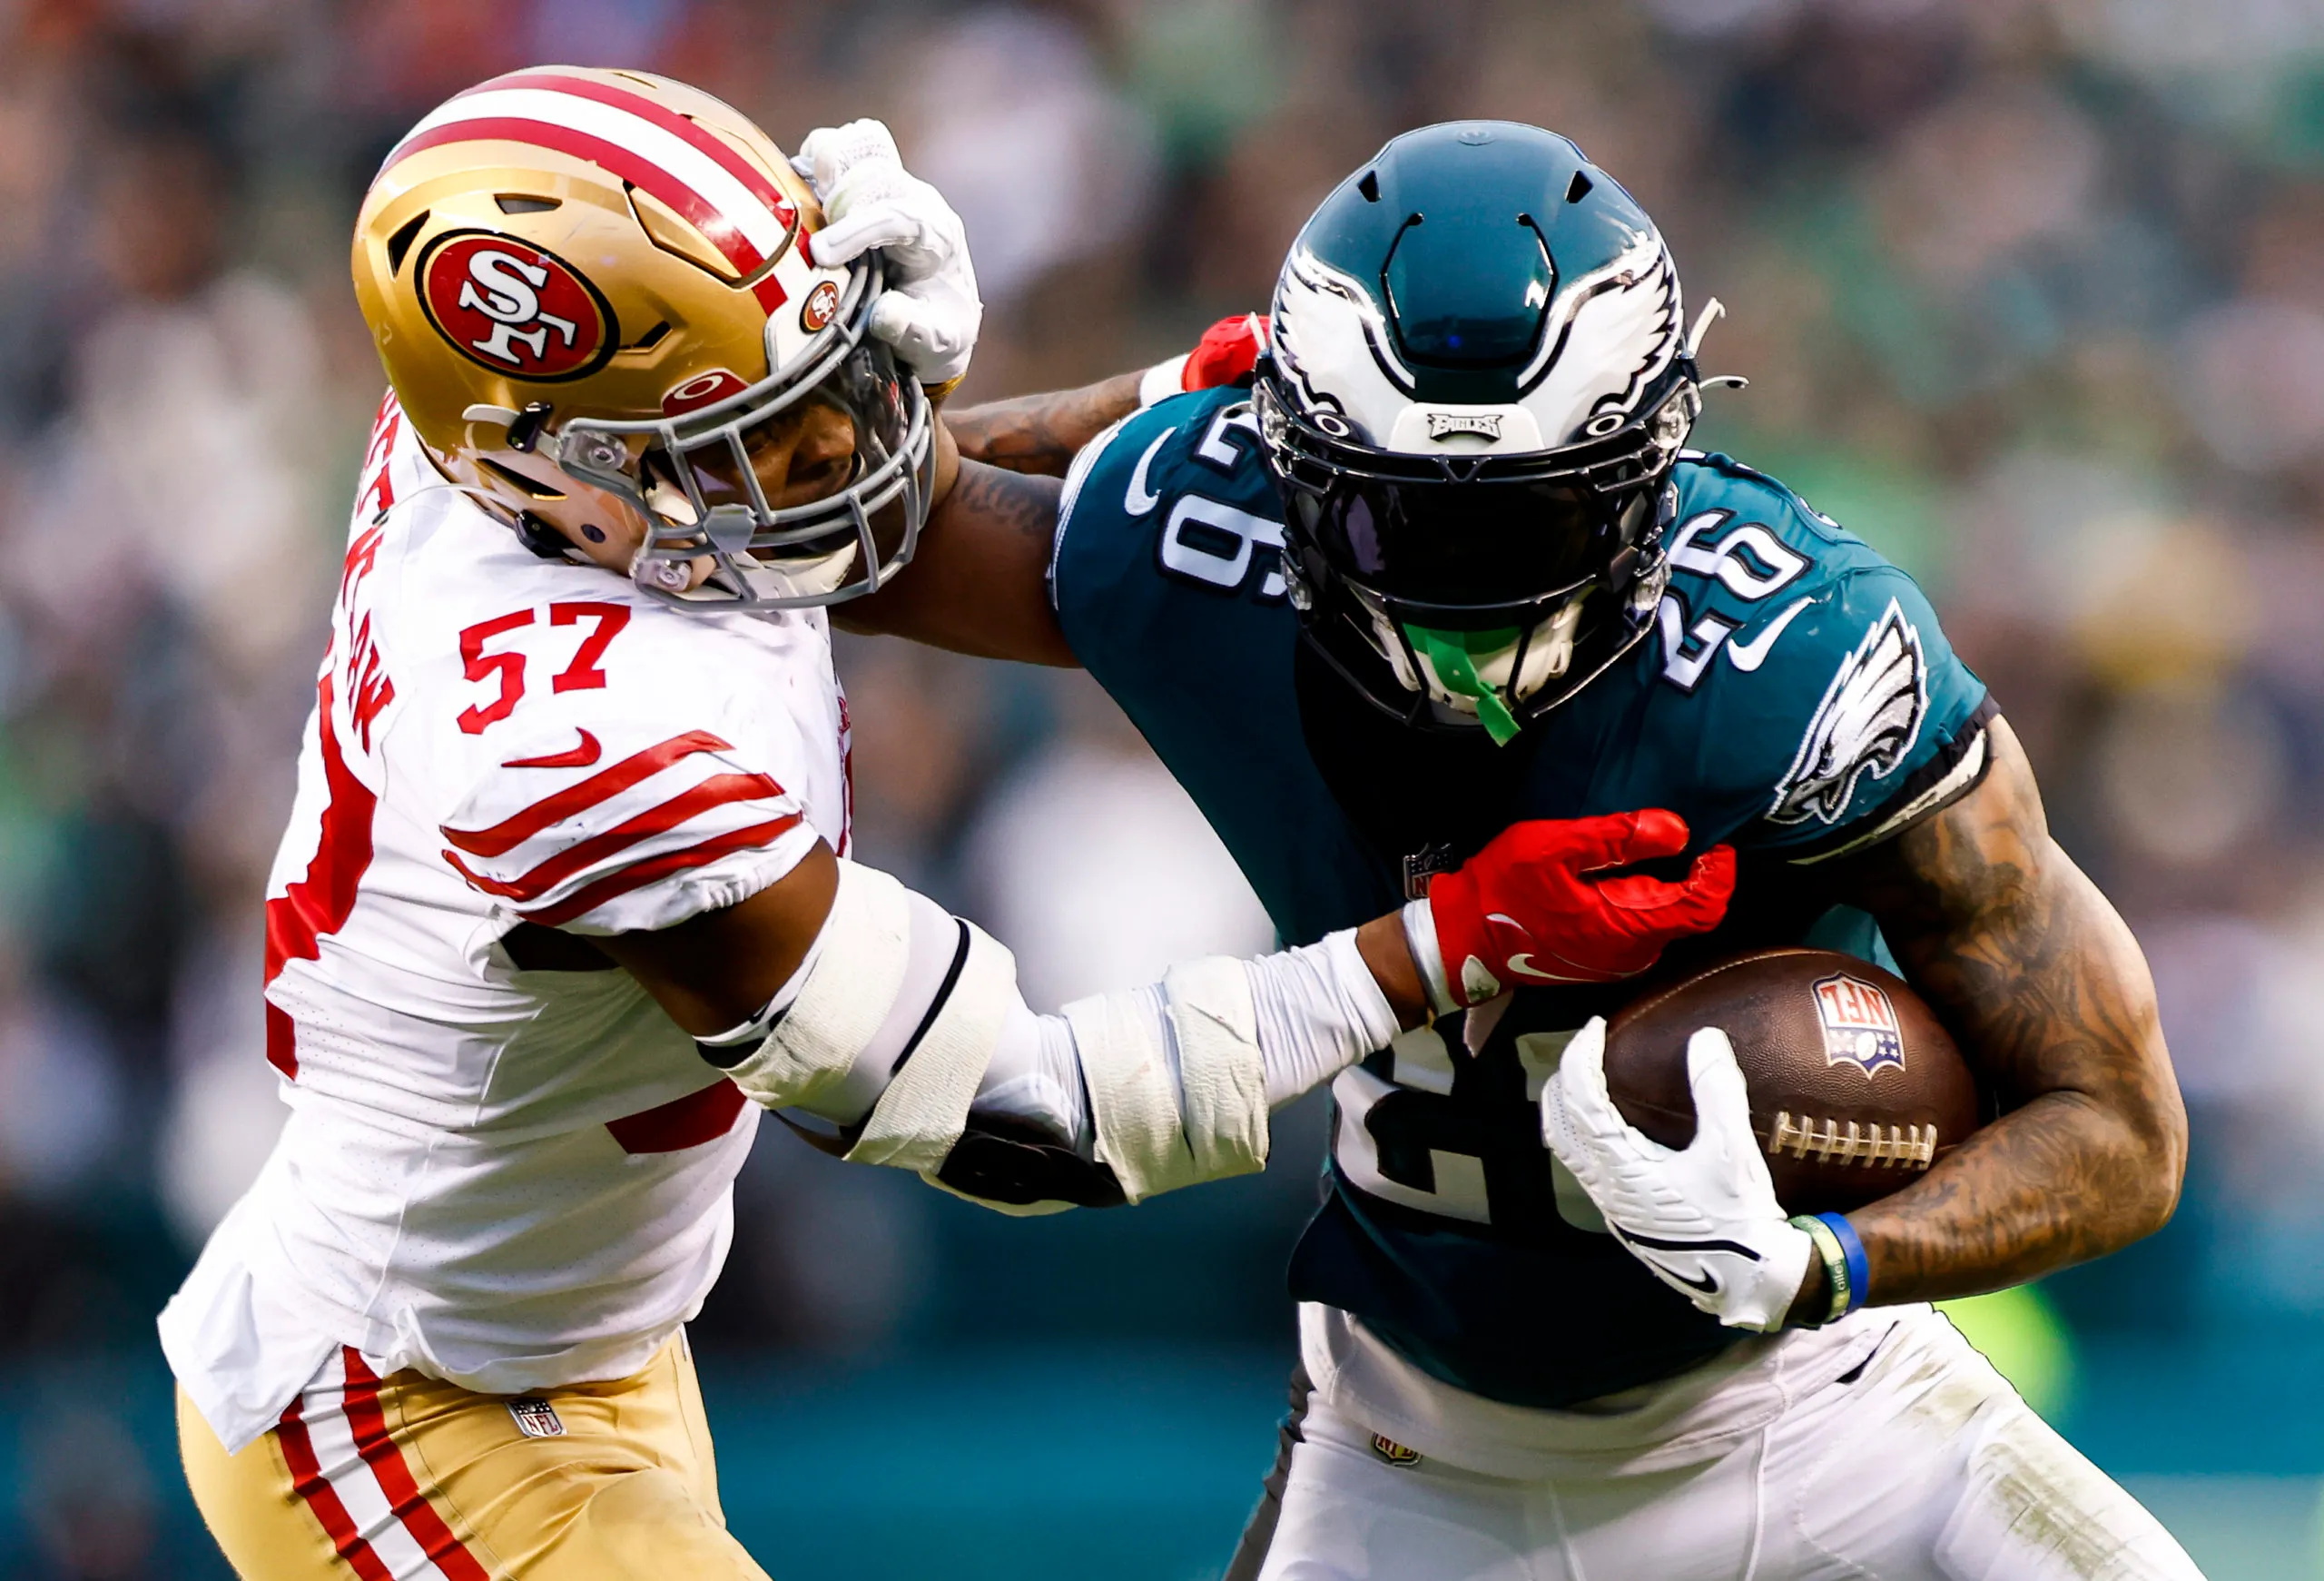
x,y
1440,562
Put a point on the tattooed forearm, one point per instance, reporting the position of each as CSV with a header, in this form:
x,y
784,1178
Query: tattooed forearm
x,y
977,584
1042,433
1023,507
2050,999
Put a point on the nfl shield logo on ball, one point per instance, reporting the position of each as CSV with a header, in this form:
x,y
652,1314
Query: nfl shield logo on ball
x,y
1859,1023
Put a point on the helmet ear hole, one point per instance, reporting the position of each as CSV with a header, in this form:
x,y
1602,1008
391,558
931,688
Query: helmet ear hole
x,y
532,488
399,244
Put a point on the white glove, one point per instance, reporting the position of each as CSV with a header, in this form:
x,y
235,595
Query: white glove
x,y
929,311
1704,1219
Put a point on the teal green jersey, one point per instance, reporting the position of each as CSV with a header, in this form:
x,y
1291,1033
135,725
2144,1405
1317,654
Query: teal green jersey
x,y
1797,700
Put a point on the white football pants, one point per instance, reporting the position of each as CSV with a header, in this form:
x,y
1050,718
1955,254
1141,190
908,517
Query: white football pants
x,y
1924,1466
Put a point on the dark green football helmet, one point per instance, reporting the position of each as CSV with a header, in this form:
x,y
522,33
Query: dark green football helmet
x,y
1478,380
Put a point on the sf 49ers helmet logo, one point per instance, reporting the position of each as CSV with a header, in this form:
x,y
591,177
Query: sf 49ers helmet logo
x,y
514,308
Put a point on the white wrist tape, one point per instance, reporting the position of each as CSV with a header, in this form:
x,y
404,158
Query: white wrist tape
x,y
1420,938
1163,380
926,1106
844,993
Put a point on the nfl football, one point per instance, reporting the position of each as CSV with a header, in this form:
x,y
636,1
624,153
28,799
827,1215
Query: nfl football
x,y
1855,1087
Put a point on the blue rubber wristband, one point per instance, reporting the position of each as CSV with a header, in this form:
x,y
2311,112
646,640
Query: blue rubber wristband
x,y
1852,1247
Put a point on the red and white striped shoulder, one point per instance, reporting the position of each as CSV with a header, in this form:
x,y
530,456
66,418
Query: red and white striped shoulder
x,y
622,823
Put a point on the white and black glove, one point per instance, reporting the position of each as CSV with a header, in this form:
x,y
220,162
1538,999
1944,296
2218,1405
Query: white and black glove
x,y
929,311
1703,1218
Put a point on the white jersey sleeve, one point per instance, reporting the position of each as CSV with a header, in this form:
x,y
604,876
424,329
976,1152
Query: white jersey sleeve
x,y
622,823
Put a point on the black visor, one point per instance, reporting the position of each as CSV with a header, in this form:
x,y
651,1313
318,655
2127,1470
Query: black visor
x,y
1463,543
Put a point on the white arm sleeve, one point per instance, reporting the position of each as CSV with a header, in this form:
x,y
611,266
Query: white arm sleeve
x,y
1319,1010
1168,1084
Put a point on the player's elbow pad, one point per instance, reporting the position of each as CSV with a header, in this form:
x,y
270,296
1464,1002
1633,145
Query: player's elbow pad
x,y
925,1007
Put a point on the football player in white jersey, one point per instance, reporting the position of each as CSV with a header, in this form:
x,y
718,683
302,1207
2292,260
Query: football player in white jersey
x,y
566,896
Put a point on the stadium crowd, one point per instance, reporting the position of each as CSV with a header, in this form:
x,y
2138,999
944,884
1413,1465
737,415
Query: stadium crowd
x,y
2030,292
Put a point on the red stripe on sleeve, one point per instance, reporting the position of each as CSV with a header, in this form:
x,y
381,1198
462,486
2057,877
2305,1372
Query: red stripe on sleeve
x,y
379,1451
683,1122
718,790
603,786
307,1480
320,902
640,874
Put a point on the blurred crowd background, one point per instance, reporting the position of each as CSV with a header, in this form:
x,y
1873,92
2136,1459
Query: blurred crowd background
x,y
2030,294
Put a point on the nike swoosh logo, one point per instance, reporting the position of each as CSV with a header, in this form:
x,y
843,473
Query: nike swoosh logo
x,y
1138,499
1656,1243
1522,962
1749,656
1707,1282
580,756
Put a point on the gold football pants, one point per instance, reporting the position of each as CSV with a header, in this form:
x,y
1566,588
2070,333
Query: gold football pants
x,y
406,1478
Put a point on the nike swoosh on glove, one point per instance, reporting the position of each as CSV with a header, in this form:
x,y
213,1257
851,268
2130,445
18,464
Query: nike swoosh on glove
x,y
929,311
1703,1218
1531,907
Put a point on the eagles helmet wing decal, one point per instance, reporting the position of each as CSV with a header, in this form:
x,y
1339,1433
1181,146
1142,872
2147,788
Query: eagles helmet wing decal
x,y
1329,334
1610,334
1867,724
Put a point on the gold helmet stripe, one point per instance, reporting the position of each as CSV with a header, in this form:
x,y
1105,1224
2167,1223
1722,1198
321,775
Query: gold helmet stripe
x,y
747,229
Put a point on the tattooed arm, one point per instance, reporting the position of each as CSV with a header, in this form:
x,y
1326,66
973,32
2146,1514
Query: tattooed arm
x,y
979,582
2047,992
1040,433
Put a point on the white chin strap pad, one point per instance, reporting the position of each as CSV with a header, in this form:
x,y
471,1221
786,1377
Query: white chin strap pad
x,y
1142,1134
925,1108
849,986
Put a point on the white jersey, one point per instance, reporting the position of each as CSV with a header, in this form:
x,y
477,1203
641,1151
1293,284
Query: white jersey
x,y
504,1166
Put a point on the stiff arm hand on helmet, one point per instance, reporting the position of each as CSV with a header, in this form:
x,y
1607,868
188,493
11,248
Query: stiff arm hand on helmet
x,y
622,324
1703,1218
842,995
929,311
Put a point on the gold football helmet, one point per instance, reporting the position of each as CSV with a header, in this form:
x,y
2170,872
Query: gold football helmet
x,y
595,295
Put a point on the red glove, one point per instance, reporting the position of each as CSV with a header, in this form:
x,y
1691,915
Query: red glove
x,y
1526,909
1226,351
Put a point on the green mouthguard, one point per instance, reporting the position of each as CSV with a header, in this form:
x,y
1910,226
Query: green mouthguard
x,y
1450,655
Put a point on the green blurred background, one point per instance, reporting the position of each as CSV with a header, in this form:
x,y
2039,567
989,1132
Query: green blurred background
x,y
2031,293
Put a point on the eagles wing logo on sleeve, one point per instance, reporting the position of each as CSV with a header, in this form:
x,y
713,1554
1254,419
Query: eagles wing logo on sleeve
x,y
1870,718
